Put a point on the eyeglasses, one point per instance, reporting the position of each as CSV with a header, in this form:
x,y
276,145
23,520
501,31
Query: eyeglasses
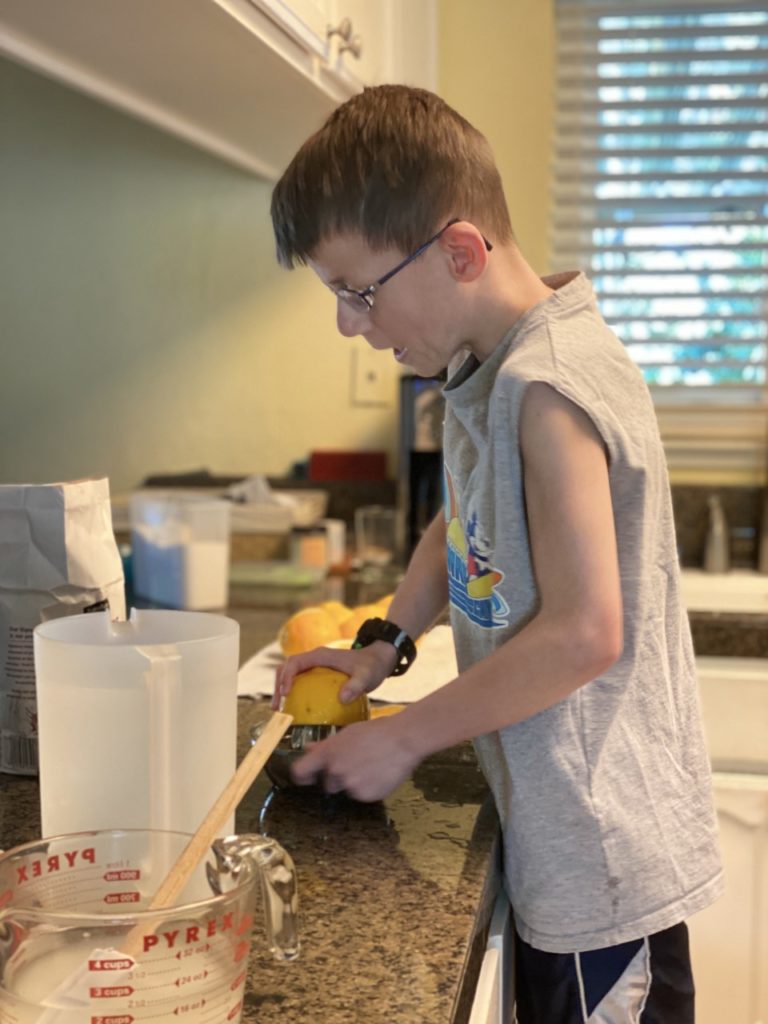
x,y
362,301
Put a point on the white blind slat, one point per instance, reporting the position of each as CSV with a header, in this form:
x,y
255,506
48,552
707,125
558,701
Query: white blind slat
x,y
661,181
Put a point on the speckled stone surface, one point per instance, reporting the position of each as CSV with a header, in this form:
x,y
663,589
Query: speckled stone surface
x,y
395,896
729,634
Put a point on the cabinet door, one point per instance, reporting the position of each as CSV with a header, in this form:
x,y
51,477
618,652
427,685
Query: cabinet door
x,y
398,41
486,1006
370,28
305,20
729,940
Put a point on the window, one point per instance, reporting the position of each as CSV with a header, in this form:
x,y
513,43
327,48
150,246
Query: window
x,y
661,189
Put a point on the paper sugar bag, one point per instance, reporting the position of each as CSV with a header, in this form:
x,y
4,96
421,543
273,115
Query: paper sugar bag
x,y
58,556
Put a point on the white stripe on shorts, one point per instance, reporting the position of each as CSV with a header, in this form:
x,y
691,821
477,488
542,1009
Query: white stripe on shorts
x,y
626,1001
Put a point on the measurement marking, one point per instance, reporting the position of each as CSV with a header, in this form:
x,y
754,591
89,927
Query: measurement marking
x,y
213,1012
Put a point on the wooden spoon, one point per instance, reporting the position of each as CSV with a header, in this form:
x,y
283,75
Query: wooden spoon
x,y
181,872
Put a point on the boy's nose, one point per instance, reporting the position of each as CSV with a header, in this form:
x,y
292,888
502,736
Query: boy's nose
x,y
349,321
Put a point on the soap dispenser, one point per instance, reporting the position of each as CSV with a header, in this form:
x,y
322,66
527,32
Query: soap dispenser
x,y
716,548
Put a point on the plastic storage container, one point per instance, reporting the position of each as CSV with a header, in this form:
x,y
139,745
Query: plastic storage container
x,y
180,549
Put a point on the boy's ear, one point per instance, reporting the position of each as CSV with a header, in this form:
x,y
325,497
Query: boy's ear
x,y
466,251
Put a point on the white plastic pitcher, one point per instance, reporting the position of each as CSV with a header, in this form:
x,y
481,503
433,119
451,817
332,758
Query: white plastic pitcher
x,y
137,720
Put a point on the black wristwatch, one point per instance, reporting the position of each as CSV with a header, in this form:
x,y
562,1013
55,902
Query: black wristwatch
x,y
382,629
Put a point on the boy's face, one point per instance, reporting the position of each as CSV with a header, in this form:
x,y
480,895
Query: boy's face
x,y
412,312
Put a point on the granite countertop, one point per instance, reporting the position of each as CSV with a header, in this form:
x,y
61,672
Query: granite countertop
x,y
730,634
395,896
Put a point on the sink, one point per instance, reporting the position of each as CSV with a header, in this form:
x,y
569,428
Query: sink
x,y
741,590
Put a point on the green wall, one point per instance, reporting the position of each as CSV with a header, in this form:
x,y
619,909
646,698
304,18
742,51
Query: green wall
x,y
144,324
497,68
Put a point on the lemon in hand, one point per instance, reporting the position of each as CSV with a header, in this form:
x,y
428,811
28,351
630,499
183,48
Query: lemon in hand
x,y
314,699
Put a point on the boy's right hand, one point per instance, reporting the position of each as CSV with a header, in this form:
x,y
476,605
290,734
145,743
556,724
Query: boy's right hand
x,y
367,668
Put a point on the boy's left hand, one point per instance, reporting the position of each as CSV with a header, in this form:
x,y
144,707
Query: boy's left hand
x,y
367,760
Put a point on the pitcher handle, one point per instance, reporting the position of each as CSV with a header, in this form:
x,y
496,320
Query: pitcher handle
x,y
279,887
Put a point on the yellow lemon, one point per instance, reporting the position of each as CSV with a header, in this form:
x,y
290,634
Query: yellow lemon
x,y
386,709
336,610
354,621
314,699
306,629
383,604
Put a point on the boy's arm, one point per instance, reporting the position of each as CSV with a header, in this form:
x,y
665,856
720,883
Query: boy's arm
x,y
575,635
419,599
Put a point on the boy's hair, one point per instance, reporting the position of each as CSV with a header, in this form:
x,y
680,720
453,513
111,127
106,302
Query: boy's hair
x,y
394,164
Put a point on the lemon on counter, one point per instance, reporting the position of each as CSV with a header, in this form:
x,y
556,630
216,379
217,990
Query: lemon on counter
x,y
314,699
336,610
307,629
354,621
383,710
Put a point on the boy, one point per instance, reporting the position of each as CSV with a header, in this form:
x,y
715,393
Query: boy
x,y
556,551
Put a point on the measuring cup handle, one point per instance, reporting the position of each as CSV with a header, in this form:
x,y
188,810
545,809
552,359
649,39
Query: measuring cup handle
x,y
278,884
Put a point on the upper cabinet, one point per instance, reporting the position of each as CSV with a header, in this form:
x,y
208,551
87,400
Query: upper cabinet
x,y
248,80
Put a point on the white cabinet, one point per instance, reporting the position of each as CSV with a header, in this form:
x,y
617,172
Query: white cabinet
x,y
494,994
397,40
729,940
248,80
486,1006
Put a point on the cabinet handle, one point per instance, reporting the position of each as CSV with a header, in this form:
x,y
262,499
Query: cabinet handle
x,y
353,46
343,29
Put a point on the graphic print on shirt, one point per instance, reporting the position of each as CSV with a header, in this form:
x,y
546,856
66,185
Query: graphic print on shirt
x,y
472,580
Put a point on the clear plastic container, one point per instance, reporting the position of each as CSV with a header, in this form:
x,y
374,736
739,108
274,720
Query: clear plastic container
x,y
180,549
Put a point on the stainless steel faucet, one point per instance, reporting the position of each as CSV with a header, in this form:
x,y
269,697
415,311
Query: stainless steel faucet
x,y
717,555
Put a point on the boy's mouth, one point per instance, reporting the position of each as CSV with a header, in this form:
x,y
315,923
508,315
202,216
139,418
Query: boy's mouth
x,y
400,354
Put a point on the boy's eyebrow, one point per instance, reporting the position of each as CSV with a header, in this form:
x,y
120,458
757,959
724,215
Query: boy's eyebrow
x,y
338,283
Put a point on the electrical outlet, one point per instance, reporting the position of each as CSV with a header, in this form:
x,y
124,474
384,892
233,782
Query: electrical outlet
x,y
369,383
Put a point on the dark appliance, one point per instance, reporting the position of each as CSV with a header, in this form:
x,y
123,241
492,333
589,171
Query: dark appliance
x,y
420,484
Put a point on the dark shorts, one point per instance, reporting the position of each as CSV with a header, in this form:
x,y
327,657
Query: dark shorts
x,y
646,981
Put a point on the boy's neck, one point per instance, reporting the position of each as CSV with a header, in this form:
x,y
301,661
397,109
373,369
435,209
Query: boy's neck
x,y
509,288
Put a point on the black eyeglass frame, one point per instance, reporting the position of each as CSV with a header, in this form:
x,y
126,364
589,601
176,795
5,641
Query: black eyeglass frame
x,y
353,297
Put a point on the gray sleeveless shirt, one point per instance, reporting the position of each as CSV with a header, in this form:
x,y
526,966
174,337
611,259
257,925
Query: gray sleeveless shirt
x,y
605,799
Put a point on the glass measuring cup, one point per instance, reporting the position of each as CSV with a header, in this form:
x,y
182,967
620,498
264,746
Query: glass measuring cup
x,y
78,946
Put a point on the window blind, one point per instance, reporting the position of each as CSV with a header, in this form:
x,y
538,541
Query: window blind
x,y
661,184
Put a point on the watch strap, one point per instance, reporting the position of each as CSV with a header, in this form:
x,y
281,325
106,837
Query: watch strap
x,y
382,629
